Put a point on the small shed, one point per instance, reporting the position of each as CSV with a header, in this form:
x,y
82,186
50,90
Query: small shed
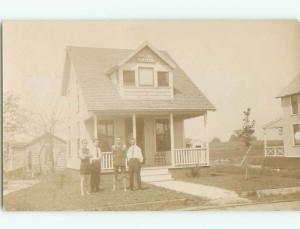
x,y
45,154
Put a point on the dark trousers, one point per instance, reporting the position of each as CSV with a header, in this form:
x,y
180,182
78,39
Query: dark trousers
x,y
134,171
95,175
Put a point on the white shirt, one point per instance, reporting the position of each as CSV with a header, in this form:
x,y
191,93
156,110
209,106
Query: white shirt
x,y
96,153
134,152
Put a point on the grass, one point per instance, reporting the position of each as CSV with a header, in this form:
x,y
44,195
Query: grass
x,y
232,178
61,193
233,152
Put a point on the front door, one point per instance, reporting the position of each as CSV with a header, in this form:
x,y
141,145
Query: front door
x,y
163,145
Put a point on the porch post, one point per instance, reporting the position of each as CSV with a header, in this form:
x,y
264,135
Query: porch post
x,y
134,126
95,127
172,139
205,137
265,142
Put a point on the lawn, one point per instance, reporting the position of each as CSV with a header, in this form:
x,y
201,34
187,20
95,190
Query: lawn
x,y
59,193
232,178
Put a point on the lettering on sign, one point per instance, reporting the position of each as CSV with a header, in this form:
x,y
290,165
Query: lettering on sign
x,y
146,59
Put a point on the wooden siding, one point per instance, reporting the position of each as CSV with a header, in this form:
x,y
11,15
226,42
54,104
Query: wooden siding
x,y
119,129
289,119
179,133
146,93
149,133
38,158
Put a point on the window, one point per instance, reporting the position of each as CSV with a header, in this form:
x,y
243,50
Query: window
x,y
78,138
162,135
106,134
296,134
128,78
295,104
163,79
146,77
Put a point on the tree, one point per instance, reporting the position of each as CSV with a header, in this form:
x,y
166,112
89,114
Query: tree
x,y
216,140
13,119
233,138
13,116
49,120
245,134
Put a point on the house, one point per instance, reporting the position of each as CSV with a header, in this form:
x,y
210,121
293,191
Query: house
x,y
35,156
13,157
288,125
139,93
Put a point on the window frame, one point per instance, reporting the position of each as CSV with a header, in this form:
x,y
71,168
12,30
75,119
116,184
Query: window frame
x,y
168,77
168,134
139,78
134,80
297,102
104,137
293,133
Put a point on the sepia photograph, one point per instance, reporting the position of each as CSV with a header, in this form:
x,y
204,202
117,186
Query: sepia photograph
x,y
151,115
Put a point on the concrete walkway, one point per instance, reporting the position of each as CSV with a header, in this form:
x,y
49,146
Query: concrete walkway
x,y
214,195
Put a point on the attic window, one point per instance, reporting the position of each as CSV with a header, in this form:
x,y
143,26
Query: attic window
x,y
128,78
146,77
295,104
163,79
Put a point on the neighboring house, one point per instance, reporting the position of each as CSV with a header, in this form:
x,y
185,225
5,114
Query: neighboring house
x,y
13,156
45,153
138,93
35,157
289,124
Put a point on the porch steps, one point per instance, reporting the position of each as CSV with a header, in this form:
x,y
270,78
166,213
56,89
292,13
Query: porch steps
x,y
155,174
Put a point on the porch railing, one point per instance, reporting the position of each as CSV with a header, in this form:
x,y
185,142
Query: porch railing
x,y
274,151
182,157
107,161
190,157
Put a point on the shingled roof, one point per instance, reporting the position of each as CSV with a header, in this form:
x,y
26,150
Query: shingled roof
x,y
100,94
292,88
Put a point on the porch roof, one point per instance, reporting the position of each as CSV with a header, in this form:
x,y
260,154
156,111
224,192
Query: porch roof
x,y
277,123
100,93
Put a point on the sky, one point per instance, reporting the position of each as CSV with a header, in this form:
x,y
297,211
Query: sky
x,y
236,63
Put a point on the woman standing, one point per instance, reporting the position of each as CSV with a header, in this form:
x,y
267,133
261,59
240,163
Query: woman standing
x,y
85,167
119,162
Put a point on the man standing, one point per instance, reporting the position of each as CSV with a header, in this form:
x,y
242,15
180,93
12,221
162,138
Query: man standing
x,y
135,159
119,161
95,167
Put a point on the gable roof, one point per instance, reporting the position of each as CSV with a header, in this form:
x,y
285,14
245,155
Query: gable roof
x,y
101,94
46,135
145,45
274,124
292,88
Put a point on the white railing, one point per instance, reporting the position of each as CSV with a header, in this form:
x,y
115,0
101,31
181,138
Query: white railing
x,y
107,161
274,151
190,157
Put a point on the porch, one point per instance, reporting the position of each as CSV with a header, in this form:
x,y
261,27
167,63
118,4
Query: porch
x,y
274,150
159,135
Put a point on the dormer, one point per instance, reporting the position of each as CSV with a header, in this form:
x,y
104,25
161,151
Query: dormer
x,y
144,74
